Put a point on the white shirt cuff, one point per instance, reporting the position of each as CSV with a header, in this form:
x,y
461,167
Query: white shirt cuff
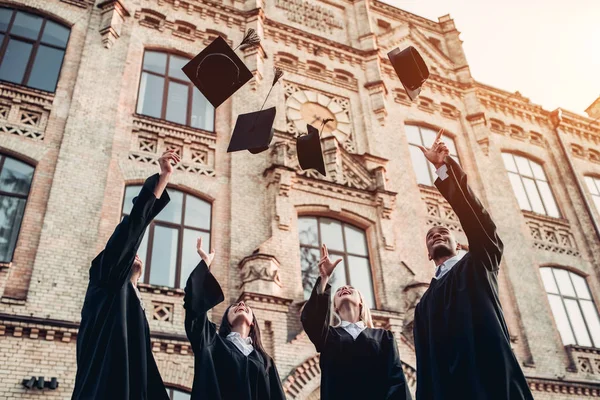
x,y
442,172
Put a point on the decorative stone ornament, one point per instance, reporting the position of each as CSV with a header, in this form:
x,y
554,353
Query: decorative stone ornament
x,y
113,16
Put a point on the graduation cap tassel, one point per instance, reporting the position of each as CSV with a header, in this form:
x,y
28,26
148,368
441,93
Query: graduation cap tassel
x,y
278,73
250,40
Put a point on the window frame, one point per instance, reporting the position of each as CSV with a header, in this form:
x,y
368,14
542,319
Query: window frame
x,y
167,79
35,45
3,157
535,181
171,389
343,255
569,297
596,182
180,230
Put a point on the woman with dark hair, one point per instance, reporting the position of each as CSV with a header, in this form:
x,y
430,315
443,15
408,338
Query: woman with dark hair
x,y
358,361
230,363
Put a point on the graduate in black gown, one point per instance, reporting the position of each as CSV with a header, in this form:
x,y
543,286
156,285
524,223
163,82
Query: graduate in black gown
x,y
461,339
114,356
357,361
229,363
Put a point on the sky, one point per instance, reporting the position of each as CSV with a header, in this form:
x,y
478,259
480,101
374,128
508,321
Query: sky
x,y
548,50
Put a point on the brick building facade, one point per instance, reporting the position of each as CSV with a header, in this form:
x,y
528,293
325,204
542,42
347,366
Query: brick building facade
x,y
73,151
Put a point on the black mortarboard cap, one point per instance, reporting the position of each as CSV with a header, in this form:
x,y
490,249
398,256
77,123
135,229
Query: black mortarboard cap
x,y
217,71
410,68
253,131
309,150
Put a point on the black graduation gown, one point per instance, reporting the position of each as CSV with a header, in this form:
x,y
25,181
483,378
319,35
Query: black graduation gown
x,y
366,368
221,370
461,339
114,356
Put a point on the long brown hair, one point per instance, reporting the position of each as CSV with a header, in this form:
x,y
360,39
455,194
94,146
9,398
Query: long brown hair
x,y
225,329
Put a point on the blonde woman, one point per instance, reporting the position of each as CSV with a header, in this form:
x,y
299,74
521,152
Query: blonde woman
x,y
357,360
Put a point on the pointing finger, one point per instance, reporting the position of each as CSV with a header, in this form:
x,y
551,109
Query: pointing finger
x,y
439,135
423,149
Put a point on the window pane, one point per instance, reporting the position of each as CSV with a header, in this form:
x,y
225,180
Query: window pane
x,y
413,135
597,202
331,234
420,166
591,185
450,144
338,278
175,65
5,15
15,61
26,25
151,95
197,213
538,172
591,317
360,278
309,259
46,68
172,212
16,177
428,137
155,62
189,255
509,162
177,102
11,214
177,395
356,242
519,190
130,193
549,282
548,199
564,283
581,287
523,166
583,339
562,322
534,196
203,113
143,249
164,256
307,231
55,34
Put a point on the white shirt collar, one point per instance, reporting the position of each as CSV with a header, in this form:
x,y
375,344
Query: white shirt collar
x,y
243,345
446,266
354,329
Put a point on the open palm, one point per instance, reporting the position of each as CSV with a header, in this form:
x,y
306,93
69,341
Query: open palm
x,y
326,267
208,258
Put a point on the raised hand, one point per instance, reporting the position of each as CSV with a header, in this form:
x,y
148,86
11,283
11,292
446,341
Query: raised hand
x,y
165,162
208,258
437,152
326,267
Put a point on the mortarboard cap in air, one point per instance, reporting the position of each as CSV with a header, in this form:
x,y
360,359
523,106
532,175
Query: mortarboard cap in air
x,y
254,131
308,148
217,71
410,68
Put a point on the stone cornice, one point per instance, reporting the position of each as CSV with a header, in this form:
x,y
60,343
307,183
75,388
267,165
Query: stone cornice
x,y
263,298
578,388
402,15
22,94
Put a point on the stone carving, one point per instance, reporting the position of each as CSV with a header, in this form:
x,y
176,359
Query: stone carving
x,y
439,212
310,15
113,14
24,112
583,360
162,311
260,274
338,77
551,235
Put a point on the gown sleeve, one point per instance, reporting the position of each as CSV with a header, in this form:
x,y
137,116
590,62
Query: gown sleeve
x,y
276,390
484,243
397,387
315,315
113,265
202,292
423,361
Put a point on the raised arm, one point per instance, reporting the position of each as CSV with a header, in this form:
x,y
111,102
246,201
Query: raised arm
x,y
484,243
202,292
316,313
113,265
397,387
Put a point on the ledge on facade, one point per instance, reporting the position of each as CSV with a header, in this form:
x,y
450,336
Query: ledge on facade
x,y
583,360
545,218
5,265
169,291
18,93
580,388
263,298
166,128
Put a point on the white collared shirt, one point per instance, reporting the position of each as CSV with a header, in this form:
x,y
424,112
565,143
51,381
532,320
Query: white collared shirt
x,y
354,329
446,266
243,345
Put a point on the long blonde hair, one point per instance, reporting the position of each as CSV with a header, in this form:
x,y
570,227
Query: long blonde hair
x,y
365,313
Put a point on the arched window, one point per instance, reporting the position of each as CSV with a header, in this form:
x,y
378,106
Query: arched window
x,y
168,249
343,241
422,136
593,185
15,181
530,185
32,50
167,93
574,310
175,394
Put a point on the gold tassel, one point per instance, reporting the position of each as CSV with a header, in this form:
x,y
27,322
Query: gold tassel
x,y
278,73
251,39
